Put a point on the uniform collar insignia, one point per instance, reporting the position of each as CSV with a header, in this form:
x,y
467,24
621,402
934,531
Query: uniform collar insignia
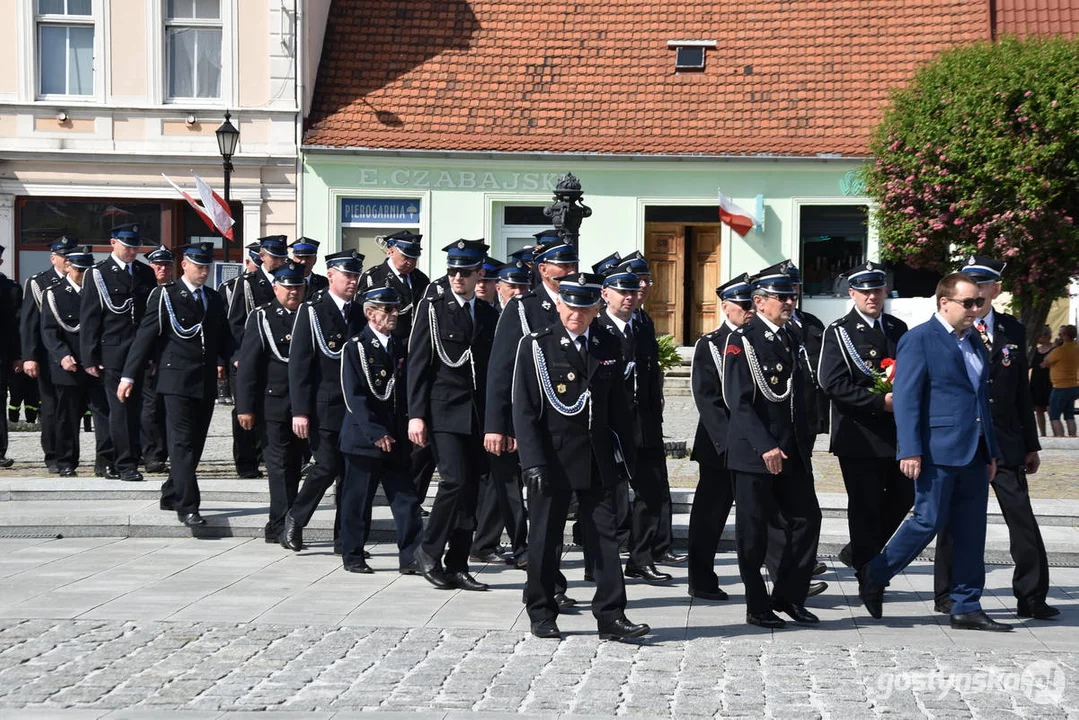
x,y
546,304
564,341
769,335
375,343
595,340
183,293
860,326
280,311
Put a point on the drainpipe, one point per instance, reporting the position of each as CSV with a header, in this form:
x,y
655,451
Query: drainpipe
x,y
299,65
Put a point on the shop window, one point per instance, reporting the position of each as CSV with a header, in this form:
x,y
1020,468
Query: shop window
x,y
193,49
366,221
833,240
65,47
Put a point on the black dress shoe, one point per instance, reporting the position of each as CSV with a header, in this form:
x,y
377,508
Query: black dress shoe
x,y
247,474
589,577
845,557
487,557
717,594
52,468
978,620
871,594
411,569
622,629
463,581
672,558
157,467
192,519
108,472
166,504
816,588
67,472
564,601
798,613
648,573
431,571
820,568
944,607
546,629
358,567
1038,611
132,476
768,620
292,536
6,462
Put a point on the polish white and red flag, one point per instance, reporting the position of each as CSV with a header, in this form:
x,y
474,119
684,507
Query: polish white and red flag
x,y
738,218
213,210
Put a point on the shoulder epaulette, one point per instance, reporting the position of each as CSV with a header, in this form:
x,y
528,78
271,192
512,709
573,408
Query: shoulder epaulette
x,y
170,283
541,333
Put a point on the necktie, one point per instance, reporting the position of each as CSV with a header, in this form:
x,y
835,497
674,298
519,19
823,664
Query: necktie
x,y
198,300
582,346
468,315
979,325
131,269
346,310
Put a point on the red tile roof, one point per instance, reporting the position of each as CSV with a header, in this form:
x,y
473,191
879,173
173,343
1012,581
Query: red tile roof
x,y
597,76
1036,17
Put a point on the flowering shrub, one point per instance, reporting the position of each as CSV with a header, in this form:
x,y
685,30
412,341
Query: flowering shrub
x,y
980,154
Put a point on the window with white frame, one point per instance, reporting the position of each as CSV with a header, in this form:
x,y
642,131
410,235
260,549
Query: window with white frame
x,y
193,49
65,47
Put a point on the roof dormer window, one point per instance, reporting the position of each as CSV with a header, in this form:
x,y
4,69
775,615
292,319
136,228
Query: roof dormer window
x,y
689,54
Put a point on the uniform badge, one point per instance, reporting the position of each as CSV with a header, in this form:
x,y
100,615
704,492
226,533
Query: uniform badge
x,y
779,367
769,335
561,388
280,312
332,344
564,341
288,336
774,380
571,376
382,372
546,304
183,293
595,340
860,326
1005,356
872,352
375,343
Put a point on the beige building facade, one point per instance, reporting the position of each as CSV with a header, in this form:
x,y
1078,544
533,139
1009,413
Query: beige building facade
x,y
106,96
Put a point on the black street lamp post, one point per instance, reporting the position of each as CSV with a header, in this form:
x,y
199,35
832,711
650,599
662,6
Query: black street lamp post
x,y
228,138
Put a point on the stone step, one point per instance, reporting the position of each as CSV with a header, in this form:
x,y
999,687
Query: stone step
x,y
137,518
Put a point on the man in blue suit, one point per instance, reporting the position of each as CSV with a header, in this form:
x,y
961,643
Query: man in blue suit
x,y
946,444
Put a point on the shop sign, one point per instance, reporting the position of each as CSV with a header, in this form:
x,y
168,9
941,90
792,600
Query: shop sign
x,y
380,211
457,179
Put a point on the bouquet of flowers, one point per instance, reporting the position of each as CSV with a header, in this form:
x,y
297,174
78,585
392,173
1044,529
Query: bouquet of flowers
x,y
882,379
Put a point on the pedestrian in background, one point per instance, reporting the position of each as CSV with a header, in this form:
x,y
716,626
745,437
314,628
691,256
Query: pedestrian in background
x,y
1063,364
1039,377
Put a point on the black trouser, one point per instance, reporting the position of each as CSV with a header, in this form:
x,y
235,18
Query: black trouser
x,y
47,411
154,446
362,477
24,393
784,501
329,465
188,423
423,469
461,461
284,458
1030,580
879,497
707,517
597,513
72,402
5,376
123,423
245,443
501,506
650,522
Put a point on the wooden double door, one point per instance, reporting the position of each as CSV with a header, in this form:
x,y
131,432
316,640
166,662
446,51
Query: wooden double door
x,y
685,263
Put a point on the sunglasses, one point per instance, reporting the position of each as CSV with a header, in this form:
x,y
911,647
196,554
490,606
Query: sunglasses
x,y
969,303
782,298
464,272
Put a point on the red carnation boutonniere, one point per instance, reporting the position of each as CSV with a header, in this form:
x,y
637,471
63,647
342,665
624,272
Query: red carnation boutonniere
x,y
882,379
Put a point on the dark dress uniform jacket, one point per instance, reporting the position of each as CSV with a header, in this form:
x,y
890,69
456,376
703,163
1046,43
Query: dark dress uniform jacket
x,y
450,399
10,309
706,380
410,295
649,429
810,330
568,449
861,427
186,366
1009,392
262,377
315,378
252,289
105,336
756,424
316,282
59,342
367,418
30,330
526,313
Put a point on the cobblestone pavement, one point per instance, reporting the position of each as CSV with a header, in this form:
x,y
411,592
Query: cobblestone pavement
x,y
154,626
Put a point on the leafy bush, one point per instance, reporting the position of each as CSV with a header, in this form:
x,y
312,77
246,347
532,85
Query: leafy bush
x,y
668,353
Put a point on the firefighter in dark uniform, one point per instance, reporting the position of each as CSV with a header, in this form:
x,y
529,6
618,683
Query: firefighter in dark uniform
x,y
503,506
652,521
715,484
768,450
1017,436
530,311
253,289
227,288
305,254
11,353
186,332
863,426
33,353
155,450
75,390
262,391
403,251
573,423
374,435
114,298
448,354
323,326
